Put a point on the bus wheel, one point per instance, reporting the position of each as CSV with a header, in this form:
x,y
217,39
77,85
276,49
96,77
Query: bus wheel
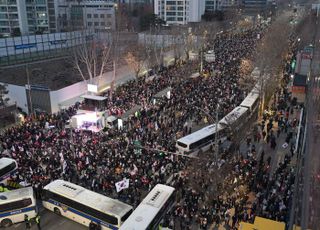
x,y
6,223
57,211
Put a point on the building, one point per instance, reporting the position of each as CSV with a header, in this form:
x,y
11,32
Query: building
x,y
212,5
87,14
220,5
136,1
255,4
179,12
27,17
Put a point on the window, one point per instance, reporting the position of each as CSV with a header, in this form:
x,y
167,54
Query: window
x,y
102,23
101,15
3,9
89,23
123,219
171,8
164,209
95,15
108,15
171,13
203,141
40,1
171,18
171,2
15,205
7,169
89,15
183,145
81,207
96,23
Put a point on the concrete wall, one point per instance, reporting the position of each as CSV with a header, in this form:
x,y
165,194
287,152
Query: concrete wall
x,y
65,94
17,94
69,95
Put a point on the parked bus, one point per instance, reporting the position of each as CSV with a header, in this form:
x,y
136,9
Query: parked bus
x,y
252,99
152,209
84,206
8,167
201,139
15,204
235,119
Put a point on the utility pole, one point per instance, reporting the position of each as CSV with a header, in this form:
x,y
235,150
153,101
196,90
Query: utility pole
x,y
30,107
216,137
216,151
201,56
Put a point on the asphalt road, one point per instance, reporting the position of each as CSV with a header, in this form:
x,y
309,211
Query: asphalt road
x,y
50,221
314,142
311,196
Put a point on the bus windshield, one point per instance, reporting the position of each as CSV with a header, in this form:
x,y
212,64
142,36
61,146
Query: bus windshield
x,y
7,169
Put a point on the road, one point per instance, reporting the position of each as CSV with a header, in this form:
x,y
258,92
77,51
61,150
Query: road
x,y
51,221
311,197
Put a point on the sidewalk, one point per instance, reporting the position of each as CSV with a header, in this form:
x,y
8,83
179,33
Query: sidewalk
x,y
277,154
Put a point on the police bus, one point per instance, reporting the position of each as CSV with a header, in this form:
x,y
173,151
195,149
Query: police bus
x,y
84,206
8,167
14,205
152,209
201,139
235,119
252,100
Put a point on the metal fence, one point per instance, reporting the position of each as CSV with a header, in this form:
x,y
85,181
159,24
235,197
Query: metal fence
x,y
17,50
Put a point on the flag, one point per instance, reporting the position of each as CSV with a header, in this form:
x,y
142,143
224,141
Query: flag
x,y
64,166
123,184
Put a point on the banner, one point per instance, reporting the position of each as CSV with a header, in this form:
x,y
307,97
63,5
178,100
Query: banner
x,y
123,184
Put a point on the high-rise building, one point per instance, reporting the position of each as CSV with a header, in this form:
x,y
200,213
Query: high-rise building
x,y
98,15
184,11
179,11
27,16
212,5
255,4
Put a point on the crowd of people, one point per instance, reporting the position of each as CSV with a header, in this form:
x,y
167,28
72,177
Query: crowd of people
x,y
255,186
98,160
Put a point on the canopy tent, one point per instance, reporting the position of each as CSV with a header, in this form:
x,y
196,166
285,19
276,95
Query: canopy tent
x,y
163,93
132,111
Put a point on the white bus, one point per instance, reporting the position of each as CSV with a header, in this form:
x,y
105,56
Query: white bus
x,y
15,204
8,167
235,119
152,209
201,139
252,99
84,206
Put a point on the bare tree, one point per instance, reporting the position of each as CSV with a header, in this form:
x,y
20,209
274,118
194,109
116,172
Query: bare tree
x,y
3,93
137,57
155,48
92,59
270,53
